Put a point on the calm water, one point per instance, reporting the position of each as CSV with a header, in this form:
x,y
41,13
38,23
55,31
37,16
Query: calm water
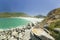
x,y
6,23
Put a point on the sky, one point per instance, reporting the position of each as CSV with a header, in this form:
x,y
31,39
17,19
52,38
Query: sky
x,y
31,7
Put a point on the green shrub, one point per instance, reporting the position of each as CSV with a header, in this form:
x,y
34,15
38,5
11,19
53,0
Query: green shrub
x,y
57,24
53,25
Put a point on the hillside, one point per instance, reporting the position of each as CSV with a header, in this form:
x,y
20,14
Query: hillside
x,y
53,21
52,16
13,14
54,12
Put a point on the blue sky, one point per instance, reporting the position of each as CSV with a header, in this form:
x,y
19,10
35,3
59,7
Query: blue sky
x,y
31,7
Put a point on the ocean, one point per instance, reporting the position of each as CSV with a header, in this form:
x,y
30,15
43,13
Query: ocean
x,y
7,23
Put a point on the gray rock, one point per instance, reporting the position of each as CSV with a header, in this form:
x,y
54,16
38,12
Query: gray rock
x,y
57,29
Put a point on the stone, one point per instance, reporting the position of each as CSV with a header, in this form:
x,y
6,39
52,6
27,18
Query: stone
x,y
14,33
57,29
38,33
12,38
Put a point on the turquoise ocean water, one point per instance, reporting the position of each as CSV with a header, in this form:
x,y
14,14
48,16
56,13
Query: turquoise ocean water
x,y
7,23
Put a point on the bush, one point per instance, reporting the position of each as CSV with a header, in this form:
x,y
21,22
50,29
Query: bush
x,y
57,24
53,25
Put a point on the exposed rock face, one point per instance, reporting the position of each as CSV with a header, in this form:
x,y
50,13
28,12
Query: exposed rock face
x,y
40,34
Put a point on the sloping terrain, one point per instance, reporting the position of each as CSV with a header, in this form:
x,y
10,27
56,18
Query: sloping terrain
x,y
53,21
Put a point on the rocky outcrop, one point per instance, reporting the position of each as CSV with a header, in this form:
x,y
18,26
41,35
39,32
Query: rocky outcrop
x,y
40,34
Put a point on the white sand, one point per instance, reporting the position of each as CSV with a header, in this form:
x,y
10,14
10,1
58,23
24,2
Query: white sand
x,y
33,20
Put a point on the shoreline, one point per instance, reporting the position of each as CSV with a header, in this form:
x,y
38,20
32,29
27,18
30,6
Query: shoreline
x,y
31,20
26,32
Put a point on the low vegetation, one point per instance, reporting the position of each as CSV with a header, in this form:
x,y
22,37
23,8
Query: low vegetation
x,y
11,14
53,20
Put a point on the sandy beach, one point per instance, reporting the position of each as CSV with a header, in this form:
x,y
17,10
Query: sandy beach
x,y
33,20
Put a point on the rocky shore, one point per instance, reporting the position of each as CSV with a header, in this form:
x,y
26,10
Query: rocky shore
x,y
25,33
15,34
19,33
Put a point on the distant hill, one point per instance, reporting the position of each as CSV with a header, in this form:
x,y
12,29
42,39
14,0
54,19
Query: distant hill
x,y
13,14
40,16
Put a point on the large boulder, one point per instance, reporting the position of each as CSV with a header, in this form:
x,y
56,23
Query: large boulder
x,y
40,34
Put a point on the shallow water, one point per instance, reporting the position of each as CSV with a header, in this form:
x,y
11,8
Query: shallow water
x,y
7,23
